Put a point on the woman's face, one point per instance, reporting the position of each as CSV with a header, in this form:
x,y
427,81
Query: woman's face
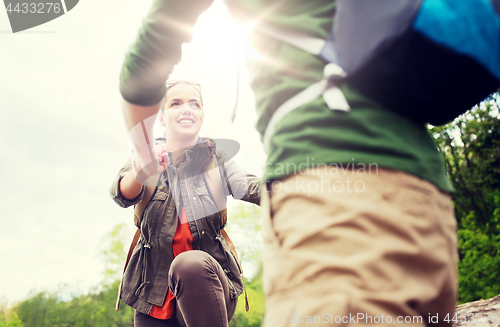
x,y
182,115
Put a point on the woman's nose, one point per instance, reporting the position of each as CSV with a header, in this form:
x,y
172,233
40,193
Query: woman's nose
x,y
186,108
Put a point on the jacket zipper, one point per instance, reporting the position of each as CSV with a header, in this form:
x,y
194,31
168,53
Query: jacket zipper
x,y
194,216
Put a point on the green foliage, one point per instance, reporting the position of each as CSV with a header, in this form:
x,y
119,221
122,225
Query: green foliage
x,y
114,252
46,309
244,229
244,222
8,318
12,321
471,147
256,301
479,264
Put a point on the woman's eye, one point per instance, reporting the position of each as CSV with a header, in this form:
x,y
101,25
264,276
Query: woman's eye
x,y
194,104
174,104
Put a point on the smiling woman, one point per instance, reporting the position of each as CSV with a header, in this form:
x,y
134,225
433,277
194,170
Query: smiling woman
x,y
181,240
182,114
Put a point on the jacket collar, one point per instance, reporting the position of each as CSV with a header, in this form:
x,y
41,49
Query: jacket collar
x,y
196,157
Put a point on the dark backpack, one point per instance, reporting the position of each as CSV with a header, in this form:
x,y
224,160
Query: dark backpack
x,y
428,60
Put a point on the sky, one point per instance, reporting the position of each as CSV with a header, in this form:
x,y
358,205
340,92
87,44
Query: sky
x,y
63,138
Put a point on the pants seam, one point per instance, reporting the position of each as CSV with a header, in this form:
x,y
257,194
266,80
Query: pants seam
x,y
214,292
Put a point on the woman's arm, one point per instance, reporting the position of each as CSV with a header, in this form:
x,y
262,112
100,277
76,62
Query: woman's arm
x,y
129,187
128,199
240,184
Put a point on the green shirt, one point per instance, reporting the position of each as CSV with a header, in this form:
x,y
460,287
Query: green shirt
x,y
310,135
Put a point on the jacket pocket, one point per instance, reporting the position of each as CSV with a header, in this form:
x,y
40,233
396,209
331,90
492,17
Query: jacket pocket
x,y
207,202
152,213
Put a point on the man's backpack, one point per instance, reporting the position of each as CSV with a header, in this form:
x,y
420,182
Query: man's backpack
x,y
428,60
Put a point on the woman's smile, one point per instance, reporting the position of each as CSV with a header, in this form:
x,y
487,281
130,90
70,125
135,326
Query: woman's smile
x,y
186,121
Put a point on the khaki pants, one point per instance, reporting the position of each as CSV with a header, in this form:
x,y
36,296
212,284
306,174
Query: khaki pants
x,y
352,249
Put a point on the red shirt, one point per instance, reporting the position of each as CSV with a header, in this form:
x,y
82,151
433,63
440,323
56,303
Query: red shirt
x,y
183,241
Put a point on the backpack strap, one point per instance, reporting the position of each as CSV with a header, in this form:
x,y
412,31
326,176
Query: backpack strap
x,y
327,87
141,206
215,183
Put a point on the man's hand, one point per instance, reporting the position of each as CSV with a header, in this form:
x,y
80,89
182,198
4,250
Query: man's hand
x,y
147,159
148,162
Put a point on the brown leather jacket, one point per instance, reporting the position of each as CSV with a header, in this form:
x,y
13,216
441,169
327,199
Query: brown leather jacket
x,y
145,281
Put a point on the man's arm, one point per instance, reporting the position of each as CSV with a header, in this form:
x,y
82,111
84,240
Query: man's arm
x,y
147,65
157,49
